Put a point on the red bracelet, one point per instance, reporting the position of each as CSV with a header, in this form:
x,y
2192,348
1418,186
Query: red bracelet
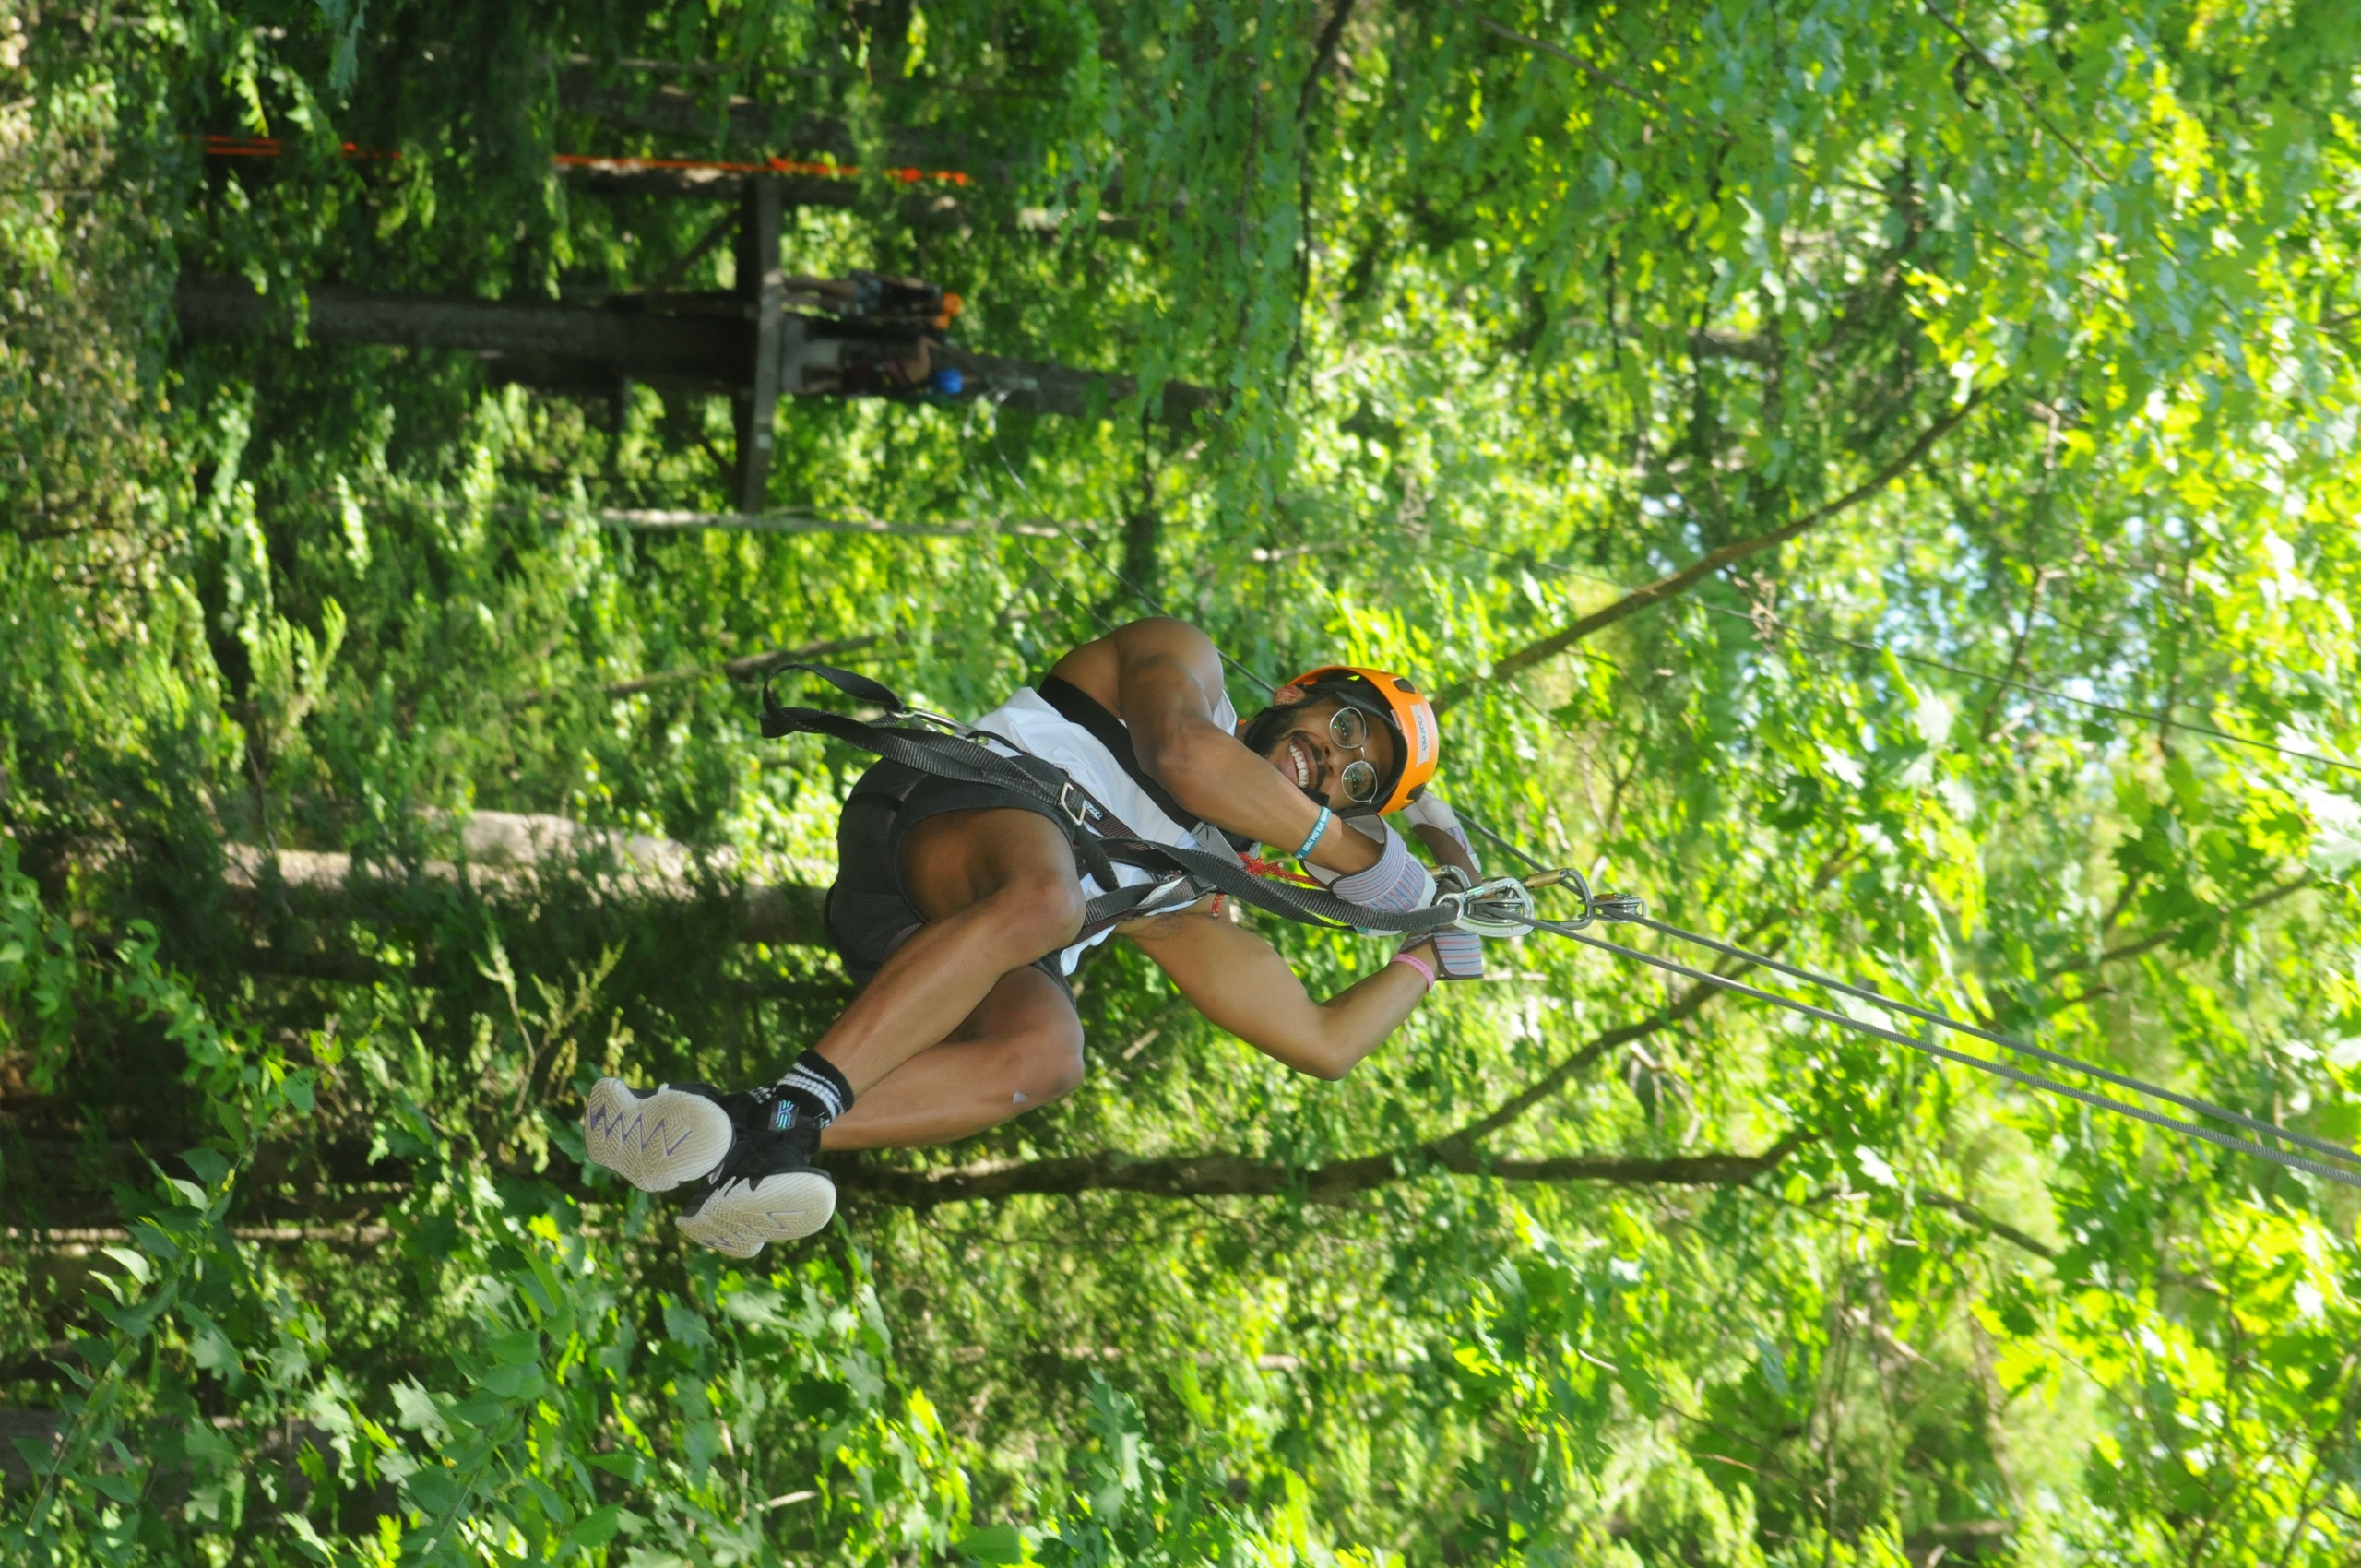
x,y
1419,964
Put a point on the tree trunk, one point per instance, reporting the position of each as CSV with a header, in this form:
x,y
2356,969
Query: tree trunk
x,y
507,858
1143,531
762,286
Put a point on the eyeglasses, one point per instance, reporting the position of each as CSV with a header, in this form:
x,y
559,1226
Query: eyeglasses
x,y
1348,727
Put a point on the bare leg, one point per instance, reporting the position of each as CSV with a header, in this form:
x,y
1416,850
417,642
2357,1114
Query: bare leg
x,y
998,889
1021,1048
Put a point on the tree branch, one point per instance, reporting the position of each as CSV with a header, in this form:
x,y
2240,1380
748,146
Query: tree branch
x,y
754,666
1984,1222
1233,1175
1975,52
2150,944
1323,54
1688,576
1541,1089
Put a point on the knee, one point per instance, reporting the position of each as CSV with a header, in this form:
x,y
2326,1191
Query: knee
x,y
1038,913
1047,1066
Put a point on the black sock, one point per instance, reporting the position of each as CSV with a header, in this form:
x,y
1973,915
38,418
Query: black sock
x,y
816,1089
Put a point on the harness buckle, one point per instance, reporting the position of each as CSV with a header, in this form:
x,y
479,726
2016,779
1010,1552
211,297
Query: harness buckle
x,y
1074,803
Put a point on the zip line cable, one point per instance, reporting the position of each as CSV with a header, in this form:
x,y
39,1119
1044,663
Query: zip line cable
x,y
2007,1043
2284,1158
1998,1069
2010,1042
1784,629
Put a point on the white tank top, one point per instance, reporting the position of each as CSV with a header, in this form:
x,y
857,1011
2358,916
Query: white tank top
x,y
1032,725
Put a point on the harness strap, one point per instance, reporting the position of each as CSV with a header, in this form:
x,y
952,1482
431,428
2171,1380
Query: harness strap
x,y
952,756
1118,904
1309,905
1078,707
946,757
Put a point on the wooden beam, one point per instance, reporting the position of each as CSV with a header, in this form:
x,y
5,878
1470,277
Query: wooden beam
x,y
691,351
762,284
688,349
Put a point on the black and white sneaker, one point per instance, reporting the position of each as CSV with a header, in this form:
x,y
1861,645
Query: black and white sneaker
x,y
766,1190
673,1133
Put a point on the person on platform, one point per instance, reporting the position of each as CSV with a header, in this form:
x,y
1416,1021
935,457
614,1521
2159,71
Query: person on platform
x,y
906,372
879,297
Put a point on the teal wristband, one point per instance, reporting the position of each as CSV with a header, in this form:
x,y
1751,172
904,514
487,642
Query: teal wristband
x,y
1319,826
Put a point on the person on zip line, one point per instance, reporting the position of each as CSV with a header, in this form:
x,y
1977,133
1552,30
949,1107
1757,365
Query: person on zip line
x,y
958,910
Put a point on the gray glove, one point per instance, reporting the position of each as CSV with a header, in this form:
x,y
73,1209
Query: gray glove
x,y
1397,882
1459,954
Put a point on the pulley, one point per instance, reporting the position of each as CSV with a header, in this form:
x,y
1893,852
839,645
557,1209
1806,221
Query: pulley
x,y
1504,906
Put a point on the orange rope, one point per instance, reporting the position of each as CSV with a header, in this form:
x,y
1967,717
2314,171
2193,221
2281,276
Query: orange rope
x,y
1277,873
268,146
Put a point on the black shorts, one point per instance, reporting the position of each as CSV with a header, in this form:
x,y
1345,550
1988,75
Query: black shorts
x,y
869,912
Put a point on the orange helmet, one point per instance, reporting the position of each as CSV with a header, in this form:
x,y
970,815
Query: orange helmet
x,y
1417,743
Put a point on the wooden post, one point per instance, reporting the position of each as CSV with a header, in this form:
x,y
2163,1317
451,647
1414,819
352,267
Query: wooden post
x,y
762,284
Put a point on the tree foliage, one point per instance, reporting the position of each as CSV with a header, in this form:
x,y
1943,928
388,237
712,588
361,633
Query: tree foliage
x,y
1875,480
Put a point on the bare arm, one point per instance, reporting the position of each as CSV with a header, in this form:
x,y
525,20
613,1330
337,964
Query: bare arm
x,y
1163,678
1240,982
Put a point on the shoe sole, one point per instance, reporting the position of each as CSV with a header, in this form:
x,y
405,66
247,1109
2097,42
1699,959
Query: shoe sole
x,y
656,1140
743,1217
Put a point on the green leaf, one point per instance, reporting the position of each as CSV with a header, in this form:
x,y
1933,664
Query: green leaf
x,y
996,1545
520,1348
594,1529
210,1165
434,1491
686,1326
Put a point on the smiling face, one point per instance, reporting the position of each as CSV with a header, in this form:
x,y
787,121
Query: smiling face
x,y
1307,755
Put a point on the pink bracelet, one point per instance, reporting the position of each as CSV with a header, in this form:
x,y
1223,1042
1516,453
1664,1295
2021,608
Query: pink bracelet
x,y
1419,964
